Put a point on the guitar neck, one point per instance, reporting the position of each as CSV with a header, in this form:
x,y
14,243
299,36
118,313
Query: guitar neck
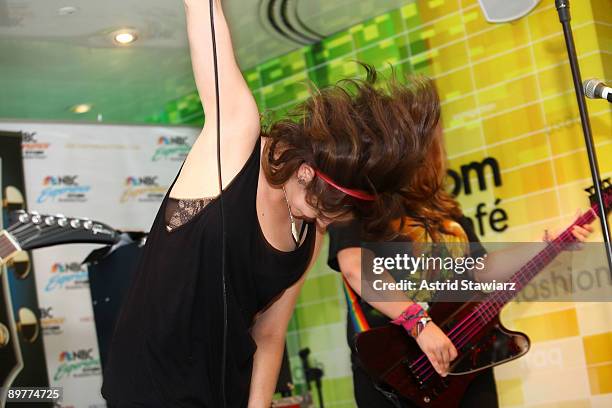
x,y
8,247
496,300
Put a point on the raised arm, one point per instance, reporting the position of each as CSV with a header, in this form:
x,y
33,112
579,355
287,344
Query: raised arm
x,y
239,113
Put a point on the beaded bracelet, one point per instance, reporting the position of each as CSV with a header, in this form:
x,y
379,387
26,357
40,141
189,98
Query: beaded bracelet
x,y
410,318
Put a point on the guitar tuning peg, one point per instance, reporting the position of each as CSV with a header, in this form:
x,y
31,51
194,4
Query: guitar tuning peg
x,y
75,223
87,224
24,217
50,220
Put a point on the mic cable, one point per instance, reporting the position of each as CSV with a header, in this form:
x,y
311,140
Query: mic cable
x,y
223,230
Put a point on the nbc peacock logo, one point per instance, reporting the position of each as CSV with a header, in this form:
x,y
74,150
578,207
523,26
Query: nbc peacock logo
x,y
142,189
173,148
67,275
77,364
63,188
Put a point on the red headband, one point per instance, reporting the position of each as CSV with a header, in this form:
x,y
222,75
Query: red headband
x,y
360,194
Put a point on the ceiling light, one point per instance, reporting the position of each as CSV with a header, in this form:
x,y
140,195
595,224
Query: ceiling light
x,y
67,11
124,37
81,108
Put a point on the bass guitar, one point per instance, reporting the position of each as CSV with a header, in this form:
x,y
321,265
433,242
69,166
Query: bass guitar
x,y
395,361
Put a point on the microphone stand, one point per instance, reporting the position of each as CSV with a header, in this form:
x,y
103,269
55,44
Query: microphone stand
x,y
563,8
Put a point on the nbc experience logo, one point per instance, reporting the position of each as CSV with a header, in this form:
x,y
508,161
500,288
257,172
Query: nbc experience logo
x,y
174,148
50,323
64,188
32,148
69,275
142,189
76,364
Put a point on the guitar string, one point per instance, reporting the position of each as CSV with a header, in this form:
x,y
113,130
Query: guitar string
x,y
488,307
485,308
587,217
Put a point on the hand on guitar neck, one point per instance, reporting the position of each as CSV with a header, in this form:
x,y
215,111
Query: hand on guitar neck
x,y
502,264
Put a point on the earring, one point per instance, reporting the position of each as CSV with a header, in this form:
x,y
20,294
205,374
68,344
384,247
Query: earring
x,y
302,181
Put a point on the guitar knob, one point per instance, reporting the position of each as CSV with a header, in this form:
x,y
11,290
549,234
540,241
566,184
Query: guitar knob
x,y
75,224
426,399
5,336
50,220
88,224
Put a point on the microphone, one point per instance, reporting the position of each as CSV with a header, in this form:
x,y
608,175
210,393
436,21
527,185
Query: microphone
x,y
596,89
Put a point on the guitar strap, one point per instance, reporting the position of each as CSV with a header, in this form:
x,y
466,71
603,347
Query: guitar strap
x,y
357,317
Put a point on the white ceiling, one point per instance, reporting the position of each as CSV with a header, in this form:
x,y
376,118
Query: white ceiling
x,y
58,51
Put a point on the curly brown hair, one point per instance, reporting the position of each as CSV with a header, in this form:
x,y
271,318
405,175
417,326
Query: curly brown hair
x,y
365,136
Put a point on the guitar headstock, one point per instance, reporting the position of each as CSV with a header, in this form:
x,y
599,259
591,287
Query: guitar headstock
x,y
32,230
606,192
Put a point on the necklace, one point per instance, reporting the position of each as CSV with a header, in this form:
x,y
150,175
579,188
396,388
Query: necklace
x,y
294,232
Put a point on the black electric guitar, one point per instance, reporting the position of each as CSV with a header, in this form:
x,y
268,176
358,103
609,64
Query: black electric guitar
x,y
30,231
33,230
395,361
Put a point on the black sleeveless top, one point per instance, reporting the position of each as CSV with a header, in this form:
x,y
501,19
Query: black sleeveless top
x,y
168,340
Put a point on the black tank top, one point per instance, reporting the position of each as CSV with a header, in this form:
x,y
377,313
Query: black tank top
x,y
168,340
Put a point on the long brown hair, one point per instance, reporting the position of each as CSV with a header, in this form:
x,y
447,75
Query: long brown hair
x,y
429,202
364,136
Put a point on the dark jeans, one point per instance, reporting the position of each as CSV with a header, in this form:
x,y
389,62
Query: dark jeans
x,y
481,393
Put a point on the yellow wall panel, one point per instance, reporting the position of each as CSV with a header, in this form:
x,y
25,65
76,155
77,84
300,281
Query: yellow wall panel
x,y
446,29
510,392
549,326
433,9
500,40
455,85
600,378
531,209
503,68
515,123
509,95
522,151
598,348
523,181
449,58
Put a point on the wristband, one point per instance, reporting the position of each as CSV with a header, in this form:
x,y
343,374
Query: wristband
x,y
413,319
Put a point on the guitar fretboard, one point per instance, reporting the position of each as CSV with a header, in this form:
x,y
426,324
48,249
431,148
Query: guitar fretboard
x,y
496,300
7,246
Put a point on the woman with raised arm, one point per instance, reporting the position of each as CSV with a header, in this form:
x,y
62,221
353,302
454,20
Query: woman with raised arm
x,y
341,157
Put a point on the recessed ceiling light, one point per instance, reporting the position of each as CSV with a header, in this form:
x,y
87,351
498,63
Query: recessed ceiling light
x,y
81,108
68,10
125,37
